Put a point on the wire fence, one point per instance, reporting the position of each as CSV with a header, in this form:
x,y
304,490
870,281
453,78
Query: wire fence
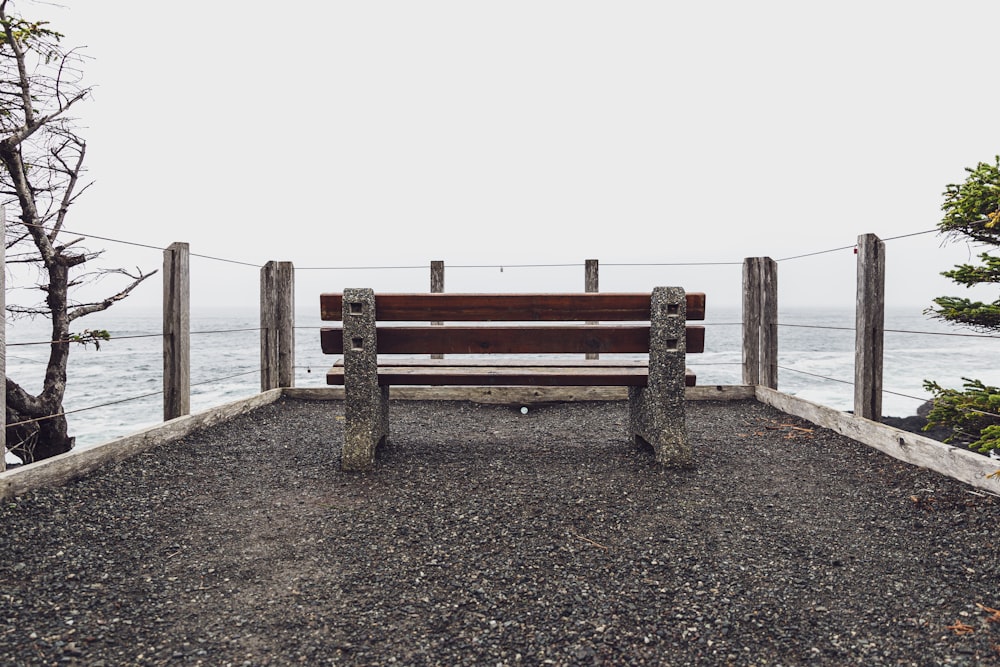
x,y
492,266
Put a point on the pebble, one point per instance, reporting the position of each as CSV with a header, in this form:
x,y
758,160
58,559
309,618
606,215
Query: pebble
x,y
484,538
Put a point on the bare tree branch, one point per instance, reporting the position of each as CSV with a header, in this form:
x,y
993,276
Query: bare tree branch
x,y
87,309
41,162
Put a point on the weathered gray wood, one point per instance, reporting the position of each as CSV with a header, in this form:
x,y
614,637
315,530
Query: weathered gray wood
x,y
437,287
769,323
79,462
176,331
751,320
437,277
760,321
522,395
961,464
869,328
285,292
3,338
590,284
277,325
268,328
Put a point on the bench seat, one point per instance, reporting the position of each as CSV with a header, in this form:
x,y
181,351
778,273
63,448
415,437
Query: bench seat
x,y
511,373
467,339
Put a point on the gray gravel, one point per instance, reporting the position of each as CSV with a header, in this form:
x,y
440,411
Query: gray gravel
x,y
489,537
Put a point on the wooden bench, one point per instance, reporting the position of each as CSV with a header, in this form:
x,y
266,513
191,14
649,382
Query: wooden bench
x,y
654,325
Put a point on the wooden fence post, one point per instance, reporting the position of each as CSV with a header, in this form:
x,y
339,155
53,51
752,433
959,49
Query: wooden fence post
x,y
751,321
769,323
176,331
760,321
268,329
590,285
869,328
286,324
277,325
437,287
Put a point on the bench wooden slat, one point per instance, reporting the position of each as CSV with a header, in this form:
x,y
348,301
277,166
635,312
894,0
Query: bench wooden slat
x,y
569,339
413,372
583,307
536,362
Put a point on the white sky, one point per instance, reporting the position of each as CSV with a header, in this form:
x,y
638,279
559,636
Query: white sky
x,y
394,133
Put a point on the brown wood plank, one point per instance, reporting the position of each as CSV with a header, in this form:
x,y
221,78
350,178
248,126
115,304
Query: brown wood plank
x,y
603,307
521,375
695,339
513,376
570,339
536,362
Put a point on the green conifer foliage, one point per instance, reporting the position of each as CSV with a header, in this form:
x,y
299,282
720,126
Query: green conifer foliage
x,y
971,212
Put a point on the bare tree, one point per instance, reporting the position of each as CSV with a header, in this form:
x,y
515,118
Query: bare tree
x,y
42,159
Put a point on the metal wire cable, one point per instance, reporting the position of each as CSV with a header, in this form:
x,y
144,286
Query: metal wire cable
x,y
225,377
922,399
139,245
854,245
126,400
822,377
218,331
903,331
815,326
904,236
715,363
150,335
501,266
942,333
818,252
92,407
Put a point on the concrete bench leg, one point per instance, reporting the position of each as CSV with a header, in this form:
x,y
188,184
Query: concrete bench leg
x,y
366,409
656,412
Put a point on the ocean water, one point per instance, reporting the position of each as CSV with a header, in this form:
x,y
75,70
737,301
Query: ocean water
x,y
816,355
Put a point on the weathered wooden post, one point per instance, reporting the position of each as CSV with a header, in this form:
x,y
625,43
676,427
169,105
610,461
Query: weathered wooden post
x,y
176,331
590,285
869,327
277,325
437,287
751,321
3,339
769,323
760,321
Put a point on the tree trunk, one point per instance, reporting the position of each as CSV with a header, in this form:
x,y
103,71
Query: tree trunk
x,y
34,441
49,435
53,438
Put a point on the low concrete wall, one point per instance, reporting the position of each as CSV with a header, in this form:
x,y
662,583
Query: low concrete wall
x,y
78,462
955,462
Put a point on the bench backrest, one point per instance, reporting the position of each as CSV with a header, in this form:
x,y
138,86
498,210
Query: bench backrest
x,y
633,308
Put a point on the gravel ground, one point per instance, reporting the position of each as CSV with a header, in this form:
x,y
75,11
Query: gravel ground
x,y
489,537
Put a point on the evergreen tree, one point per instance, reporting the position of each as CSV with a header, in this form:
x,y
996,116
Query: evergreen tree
x,y
971,212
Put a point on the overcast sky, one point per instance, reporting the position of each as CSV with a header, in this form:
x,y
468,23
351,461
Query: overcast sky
x,y
506,133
